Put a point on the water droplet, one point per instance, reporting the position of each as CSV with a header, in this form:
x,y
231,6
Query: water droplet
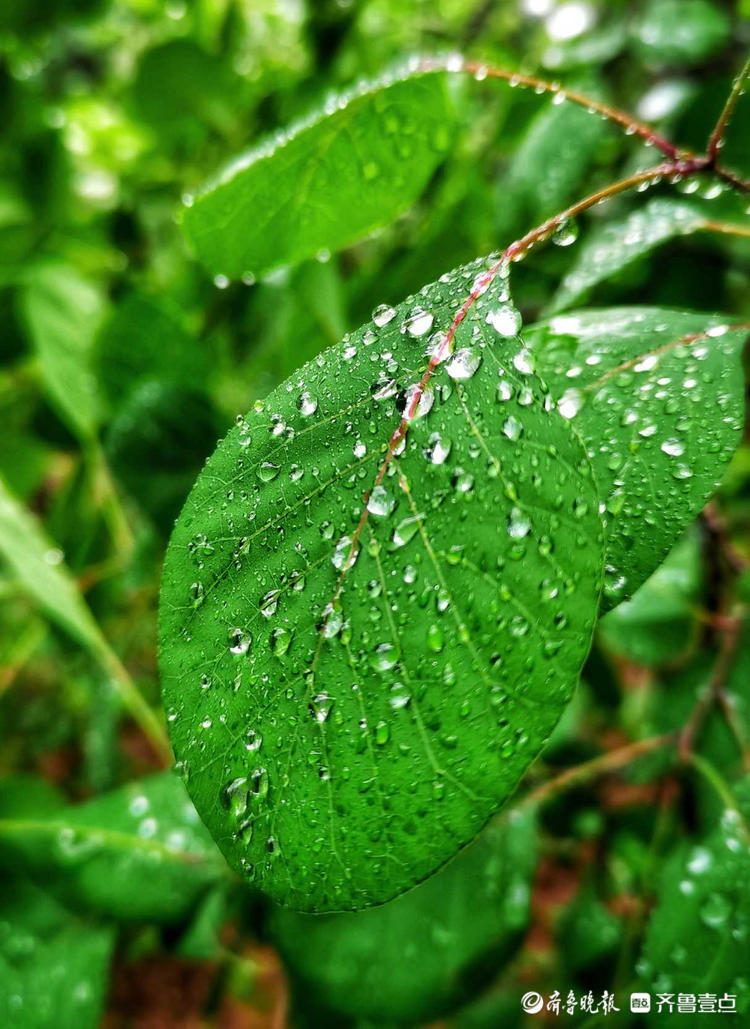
x,y
380,503
464,363
505,320
383,314
419,322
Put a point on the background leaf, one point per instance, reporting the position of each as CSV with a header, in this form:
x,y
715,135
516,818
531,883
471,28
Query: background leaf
x,y
312,721
696,939
53,967
139,853
327,182
63,311
660,418
433,946
617,244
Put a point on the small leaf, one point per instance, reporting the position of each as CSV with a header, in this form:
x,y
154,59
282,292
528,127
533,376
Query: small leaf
x,y
658,397
63,311
697,936
327,181
139,853
370,626
53,967
619,243
434,946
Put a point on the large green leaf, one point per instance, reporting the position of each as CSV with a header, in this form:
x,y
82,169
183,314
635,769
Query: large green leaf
x,y
433,946
63,311
661,414
139,853
53,967
697,936
364,645
681,32
619,243
326,182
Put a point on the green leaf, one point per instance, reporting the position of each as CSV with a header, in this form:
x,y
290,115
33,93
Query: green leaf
x,y
353,691
53,967
620,243
658,624
661,416
434,946
697,936
327,181
37,564
143,340
548,167
136,854
681,32
63,311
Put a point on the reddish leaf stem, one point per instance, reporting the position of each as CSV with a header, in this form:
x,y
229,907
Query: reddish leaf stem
x,y
625,121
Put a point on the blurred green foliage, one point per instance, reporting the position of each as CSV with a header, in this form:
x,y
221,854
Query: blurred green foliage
x,y
122,362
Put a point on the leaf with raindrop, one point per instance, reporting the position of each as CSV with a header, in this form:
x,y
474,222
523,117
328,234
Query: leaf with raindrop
x,y
619,243
658,397
433,946
139,853
377,601
698,935
326,182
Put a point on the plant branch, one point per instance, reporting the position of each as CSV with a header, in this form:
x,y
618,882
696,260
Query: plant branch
x,y
716,139
625,121
601,765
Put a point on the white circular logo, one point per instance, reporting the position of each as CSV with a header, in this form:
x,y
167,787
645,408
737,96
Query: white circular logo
x,y
532,1002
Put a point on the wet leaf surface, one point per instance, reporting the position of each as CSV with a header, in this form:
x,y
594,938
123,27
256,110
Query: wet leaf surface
x,y
363,644
661,414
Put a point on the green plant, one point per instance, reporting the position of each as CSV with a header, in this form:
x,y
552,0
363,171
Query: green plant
x,y
453,628
381,591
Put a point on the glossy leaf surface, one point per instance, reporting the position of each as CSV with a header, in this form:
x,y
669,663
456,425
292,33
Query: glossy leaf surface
x,y
364,645
658,397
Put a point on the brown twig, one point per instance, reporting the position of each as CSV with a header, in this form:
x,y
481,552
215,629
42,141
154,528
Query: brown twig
x,y
716,139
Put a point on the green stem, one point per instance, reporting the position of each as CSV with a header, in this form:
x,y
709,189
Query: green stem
x,y
716,139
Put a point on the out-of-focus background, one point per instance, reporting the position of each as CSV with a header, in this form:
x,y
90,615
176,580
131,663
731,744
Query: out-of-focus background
x,y
122,362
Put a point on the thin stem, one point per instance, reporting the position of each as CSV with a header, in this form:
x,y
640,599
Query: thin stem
x,y
713,689
625,121
666,169
726,229
716,139
601,765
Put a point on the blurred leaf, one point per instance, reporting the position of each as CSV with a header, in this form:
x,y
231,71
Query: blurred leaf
x,y
53,967
661,416
697,937
144,341
425,952
137,854
549,165
63,311
588,934
681,31
485,514
39,566
157,443
617,244
325,182
658,624
181,91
